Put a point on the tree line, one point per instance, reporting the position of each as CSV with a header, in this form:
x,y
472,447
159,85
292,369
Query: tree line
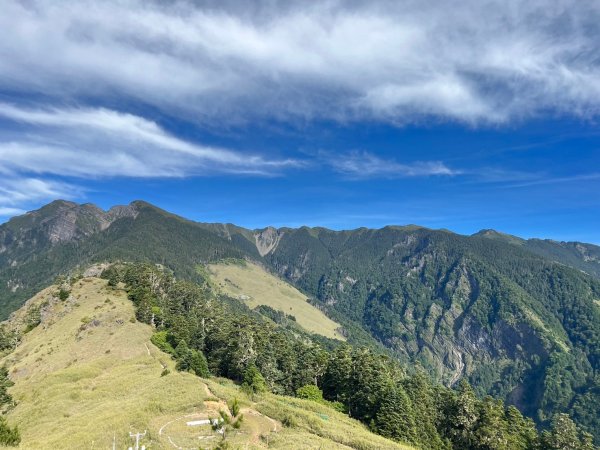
x,y
209,334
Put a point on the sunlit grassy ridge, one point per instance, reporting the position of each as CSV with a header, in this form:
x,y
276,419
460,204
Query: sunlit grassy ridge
x,y
79,384
255,286
88,373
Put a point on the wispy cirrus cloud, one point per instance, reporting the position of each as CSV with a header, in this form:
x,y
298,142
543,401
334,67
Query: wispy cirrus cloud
x,y
359,165
6,211
17,192
43,145
545,180
466,61
100,142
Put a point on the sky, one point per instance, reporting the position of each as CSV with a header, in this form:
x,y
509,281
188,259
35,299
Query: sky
x,y
463,115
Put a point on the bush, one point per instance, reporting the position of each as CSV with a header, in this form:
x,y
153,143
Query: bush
x,y
33,318
160,339
338,406
63,294
289,421
9,436
310,392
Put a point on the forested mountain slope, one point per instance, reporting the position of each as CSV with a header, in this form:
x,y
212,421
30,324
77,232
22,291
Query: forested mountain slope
x,y
579,255
518,319
36,247
86,374
515,324
205,333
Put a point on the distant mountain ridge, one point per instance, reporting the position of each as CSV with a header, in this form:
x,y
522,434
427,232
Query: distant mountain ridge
x,y
579,255
519,318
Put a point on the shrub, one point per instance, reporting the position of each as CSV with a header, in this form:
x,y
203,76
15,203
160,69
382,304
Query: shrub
x,y
63,294
310,392
289,421
160,340
33,318
9,436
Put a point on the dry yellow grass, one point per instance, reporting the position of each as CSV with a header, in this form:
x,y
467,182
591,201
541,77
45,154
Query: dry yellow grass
x,y
255,286
88,374
77,385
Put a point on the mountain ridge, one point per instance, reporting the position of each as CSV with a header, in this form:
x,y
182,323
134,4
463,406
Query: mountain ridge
x,y
510,315
118,211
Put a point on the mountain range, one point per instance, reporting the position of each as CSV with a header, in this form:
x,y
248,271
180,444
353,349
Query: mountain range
x,y
519,319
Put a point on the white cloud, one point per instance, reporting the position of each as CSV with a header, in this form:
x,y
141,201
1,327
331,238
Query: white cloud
x,y
366,165
96,143
468,61
8,212
17,192
83,142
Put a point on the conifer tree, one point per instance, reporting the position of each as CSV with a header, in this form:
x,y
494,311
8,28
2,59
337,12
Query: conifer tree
x,y
253,381
395,418
562,435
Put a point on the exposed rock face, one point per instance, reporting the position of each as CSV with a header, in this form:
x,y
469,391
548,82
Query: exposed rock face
x,y
584,251
95,270
80,221
60,221
267,240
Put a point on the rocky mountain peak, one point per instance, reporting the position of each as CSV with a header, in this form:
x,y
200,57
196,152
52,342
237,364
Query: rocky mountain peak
x,y
63,221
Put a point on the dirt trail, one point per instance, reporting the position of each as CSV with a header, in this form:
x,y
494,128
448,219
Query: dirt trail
x,y
253,412
261,424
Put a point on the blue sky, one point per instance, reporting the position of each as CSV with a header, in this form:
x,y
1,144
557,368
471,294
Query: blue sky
x,y
459,115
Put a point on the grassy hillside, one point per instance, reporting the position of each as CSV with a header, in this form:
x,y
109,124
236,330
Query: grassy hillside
x,y
89,374
255,286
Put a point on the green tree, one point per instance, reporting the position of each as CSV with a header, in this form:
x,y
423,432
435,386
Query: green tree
x,y
491,432
462,416
183,355
228,421
563,434
522,432
198,364
336,380
587,441
253,380
426,411
6,400
395,418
